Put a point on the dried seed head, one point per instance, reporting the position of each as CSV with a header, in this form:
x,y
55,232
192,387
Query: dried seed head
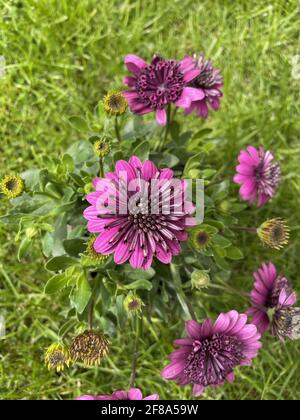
x,y
89,347
286,323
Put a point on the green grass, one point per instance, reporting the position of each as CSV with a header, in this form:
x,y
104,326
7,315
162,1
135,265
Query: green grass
x,y
61,57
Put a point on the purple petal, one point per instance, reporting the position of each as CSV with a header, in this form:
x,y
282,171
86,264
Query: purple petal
x,y
198,390
137,258
173,369
149,170
122,253
161,116
230,377
129,81
134,63
152,397
135,394
193,329
120,395
221,323
191,74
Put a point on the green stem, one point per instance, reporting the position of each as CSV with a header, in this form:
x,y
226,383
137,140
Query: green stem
x,y
230,290
244,229
9,282
91,315
117,129
101,168
183,300
168,124
136,327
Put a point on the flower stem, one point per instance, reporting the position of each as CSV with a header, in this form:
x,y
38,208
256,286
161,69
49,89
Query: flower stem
x,y
117,129
136,327
101,168
91,315
230,290
244,228
168,125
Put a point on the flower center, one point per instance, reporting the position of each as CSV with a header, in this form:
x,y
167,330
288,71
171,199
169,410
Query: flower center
x,y
12,185
267,177
56,358
160,83
280,283
205,79
213,359
147,222
202,238
115,101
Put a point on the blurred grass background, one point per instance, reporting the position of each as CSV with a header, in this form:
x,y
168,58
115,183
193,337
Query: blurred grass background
x,y
61,57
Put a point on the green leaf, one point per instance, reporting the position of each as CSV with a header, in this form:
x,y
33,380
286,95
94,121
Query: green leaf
x,y
81,294
74,247
133,274
78,123
24,247
142,150
31,178
234,253
81,152
56,283
192,163
221,241
60,263
47,244
168,160
68,162
139,284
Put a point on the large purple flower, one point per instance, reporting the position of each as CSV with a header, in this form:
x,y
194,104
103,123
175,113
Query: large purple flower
x,y
209,81
271,293
211,351
258,174
154,86
132,394
140,212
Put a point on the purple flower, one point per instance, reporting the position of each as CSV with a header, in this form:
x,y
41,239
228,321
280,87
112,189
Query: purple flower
x,y
271,292
132,394
140,212
209,81
154,86
258,174
211,351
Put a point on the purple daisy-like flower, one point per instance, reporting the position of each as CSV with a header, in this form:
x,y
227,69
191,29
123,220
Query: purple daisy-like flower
x,y
258,174
208,356
132,394
140,212
209,81
156,85
272,292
